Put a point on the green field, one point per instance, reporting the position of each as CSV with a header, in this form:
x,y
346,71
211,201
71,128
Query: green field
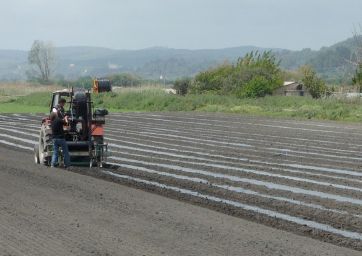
x,y
17,108
148,100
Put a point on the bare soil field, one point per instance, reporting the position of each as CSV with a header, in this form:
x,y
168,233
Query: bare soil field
x,y
300,178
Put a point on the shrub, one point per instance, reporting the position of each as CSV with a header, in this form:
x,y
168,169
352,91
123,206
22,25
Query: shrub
x,y
316,86
182,86
255,75
213,80
257,87
357,78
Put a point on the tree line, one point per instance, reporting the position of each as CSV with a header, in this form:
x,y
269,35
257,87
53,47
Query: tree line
x,y
255,75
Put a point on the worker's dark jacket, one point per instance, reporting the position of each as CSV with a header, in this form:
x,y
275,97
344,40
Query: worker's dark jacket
x,y
60,110
57,128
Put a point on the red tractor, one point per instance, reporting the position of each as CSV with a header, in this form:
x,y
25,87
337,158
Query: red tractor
x,y
84,132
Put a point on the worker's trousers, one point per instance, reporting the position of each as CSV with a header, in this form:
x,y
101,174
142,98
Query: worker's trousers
x,y
63,144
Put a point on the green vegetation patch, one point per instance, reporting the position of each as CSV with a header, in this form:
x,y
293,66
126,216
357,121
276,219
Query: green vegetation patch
x,y
37,102
16,108
151,100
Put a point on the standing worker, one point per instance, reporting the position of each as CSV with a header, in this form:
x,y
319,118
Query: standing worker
x,y
59,109
59,139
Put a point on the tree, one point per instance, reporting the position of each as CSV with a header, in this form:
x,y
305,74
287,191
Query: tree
x,y
258,73
357,59
316,86
254,75
357,78
42,61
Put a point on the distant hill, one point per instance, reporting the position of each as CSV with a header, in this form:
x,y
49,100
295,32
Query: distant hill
x,y
150,63
332,63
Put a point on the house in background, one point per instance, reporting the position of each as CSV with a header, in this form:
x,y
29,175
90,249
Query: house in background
x,y
291,88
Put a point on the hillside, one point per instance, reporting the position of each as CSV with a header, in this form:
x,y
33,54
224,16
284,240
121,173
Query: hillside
x,y
332,63
73,62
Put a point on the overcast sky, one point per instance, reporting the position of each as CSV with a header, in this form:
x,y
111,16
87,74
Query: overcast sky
x,y
191,24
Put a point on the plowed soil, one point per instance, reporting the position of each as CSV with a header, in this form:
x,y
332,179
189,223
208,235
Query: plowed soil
x,y
265,187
